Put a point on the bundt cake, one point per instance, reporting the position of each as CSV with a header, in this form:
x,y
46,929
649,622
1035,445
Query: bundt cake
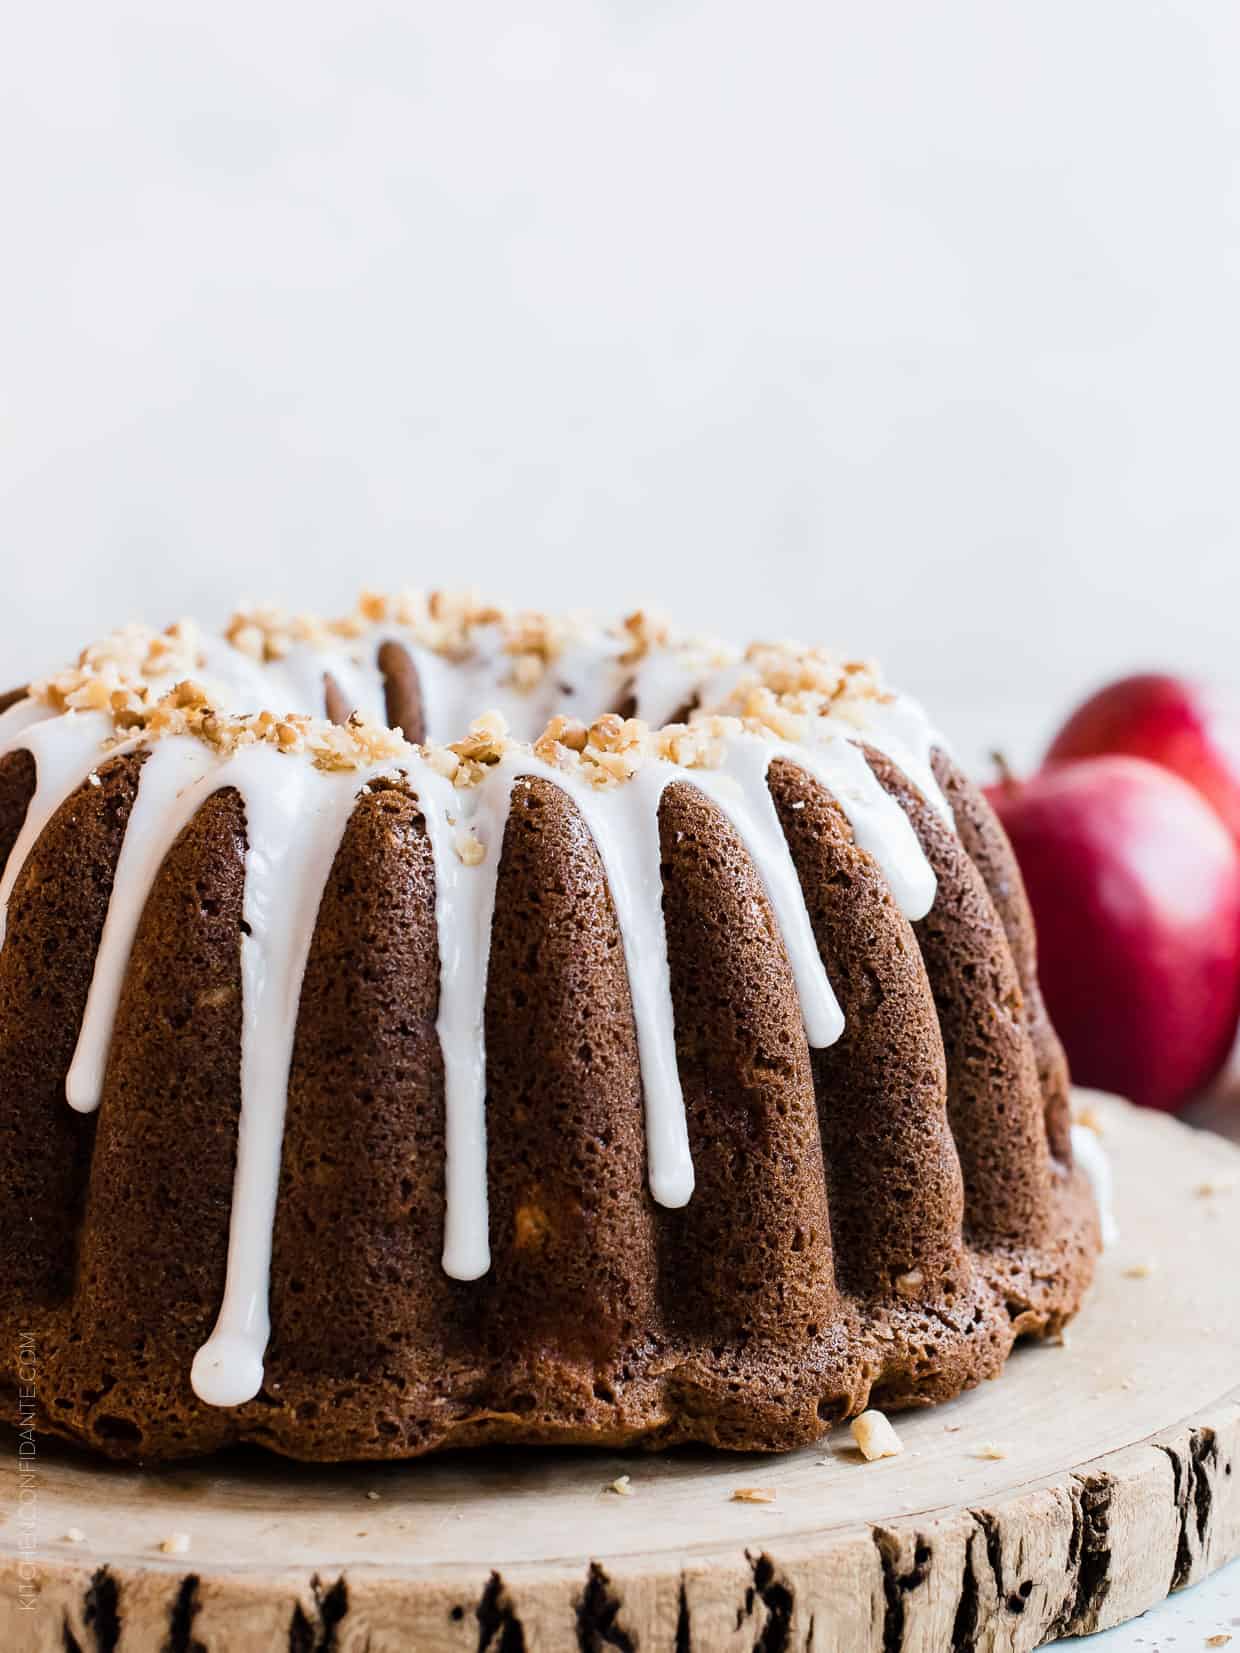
x,y
536,1032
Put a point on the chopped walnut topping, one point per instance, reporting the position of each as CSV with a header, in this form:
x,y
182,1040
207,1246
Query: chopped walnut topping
x,y
151,684
561,741
787,687
796,669
439,620
534,641
642,632
609,751
186,710
527,672
486,741
698,744
875,1437
466,761
469,848
262,633
753,1495
114,675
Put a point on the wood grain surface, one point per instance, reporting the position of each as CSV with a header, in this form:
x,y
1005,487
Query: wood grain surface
x,y
1080,1488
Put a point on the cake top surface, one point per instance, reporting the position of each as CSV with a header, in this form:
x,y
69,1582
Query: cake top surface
x,y
503,683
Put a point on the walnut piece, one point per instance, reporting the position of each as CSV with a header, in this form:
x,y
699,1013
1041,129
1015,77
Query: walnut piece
x,y
469,848
875,1437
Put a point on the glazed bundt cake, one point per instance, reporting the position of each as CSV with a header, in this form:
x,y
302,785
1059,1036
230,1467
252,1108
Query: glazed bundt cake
x,y
535,1033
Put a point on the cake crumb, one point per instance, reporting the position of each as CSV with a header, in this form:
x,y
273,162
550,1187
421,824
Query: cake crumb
x,y
75,1535
622,1486
1088,1117
908,1285
373,1496
176,1543
1139,1271
753,1495
873,1433
1220,1640
1222,1185
992,1449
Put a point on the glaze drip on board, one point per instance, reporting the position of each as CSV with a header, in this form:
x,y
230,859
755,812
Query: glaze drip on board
x,y
296,816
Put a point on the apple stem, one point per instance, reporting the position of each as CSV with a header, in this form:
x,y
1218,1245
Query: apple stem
x,y
1007,779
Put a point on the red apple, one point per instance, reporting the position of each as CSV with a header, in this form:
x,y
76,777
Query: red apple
x,y
1172,721
1135,888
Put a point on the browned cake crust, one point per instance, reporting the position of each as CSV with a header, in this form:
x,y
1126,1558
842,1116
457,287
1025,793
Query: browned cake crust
x,y
402,691
878,1220
986,845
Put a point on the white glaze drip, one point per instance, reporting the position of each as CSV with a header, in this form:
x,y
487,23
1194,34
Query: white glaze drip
x,y
295,818
584,681
361,684
167,799
303,672
65,751
236,682
296,683
663,685
879,825
1094,1160
901,731
740,790
22,714
624,825
625,829
464,905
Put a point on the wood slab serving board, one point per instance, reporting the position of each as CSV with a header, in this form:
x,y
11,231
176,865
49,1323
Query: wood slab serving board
x,y
1120,1482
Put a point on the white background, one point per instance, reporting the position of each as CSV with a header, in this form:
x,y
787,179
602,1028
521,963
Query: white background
x,y
911,328
908,327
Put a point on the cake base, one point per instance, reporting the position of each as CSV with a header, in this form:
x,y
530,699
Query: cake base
x,y
1120,1481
